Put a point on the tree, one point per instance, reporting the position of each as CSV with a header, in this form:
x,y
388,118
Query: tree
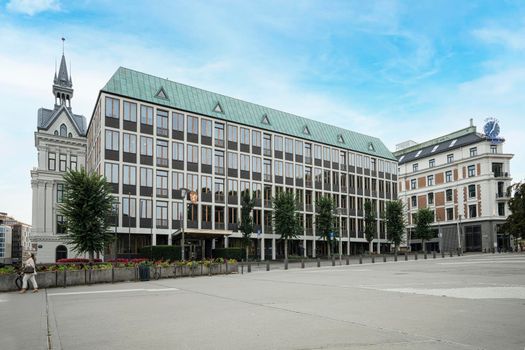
x,y
515,223
87,208
246,226
395,223
370,224
286,219
424,217
324,220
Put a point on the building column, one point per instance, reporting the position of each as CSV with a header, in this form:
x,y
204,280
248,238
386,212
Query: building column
x,y
273,248
34,216
225,241
262,246
49,208
41,211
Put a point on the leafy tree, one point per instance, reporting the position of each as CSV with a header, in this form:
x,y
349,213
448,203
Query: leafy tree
x,y
87,209
395,223
370,224
515,223
424,217
324,220
246,226
286,218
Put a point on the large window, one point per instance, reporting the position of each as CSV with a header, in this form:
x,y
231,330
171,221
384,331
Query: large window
x,y
317,152
205,184
178,121
245,162
219,134
278,143
299,148
62,162
450,158
245,136
206,129
431,163
206,155
177,180
130,143
73,162
146,209
193,182
193,154
308,152
267,145
473,151
146,177
177,151
413,184
232,160
130,111
162,214
448,176
326,154
267,170
471,191
278,169
256,138
472,213
448,195
256,164
146,115
233,188
162,153
51,161
414,201
162,183
471,170
129,175
128,207
298,172
146,146
193,125
232,133
60,193
415,167
450,214
61,224
288,145
430,180
112,107
162,122
111,172
112,140
288,170
219,162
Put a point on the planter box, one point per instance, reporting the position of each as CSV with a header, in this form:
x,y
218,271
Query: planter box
x,y
50,279
7,282
101,276
123,274
167,272
76,277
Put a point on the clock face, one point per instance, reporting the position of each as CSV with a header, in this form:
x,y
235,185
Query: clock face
x,y
491,128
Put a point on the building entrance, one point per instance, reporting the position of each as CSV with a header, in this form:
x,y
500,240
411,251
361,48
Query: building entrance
x,y
473,238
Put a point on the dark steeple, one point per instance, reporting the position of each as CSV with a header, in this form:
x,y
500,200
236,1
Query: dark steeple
x,y
62,84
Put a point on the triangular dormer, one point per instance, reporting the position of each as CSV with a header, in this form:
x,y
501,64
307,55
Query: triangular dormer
x,y
218,108
340,138
162,94
265,120
371,147
306,131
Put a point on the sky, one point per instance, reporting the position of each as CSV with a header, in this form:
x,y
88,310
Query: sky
x,y
397,70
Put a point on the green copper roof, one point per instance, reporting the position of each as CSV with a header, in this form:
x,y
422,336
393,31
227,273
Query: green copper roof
x,y
148,88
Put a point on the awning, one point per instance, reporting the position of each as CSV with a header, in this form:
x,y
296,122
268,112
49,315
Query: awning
x,y
202,234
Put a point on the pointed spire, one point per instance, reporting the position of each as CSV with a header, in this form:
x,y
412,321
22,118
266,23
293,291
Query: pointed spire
x,y
62,83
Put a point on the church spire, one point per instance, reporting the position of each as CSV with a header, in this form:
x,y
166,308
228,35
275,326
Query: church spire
x,y
62,83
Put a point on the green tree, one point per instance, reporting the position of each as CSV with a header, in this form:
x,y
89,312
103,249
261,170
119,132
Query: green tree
x,y
395,223
424,217
370,224
324,220
515,223
286,219
246,226
87,208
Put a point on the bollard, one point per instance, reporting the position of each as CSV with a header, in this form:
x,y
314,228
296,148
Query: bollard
x,y
442,254
373,259
318,262
415,256
433,254
493,250
348,260
242,269
406,256
249,267
360,259
384,258
395,257
333,260
425,255
267,266
286,264
302,263
459,252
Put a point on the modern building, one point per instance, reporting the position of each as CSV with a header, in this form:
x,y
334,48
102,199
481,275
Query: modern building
x,y
60,140
155,140
13,235
5,244
463,178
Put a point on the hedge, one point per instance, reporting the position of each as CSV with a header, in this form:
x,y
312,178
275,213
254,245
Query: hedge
x,y
161,252
229,253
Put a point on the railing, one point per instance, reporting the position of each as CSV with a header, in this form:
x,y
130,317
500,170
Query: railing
x,y
501,174
267,152
502,195
162,131
219,170
219,198
162,192
219,225
162,161
162,223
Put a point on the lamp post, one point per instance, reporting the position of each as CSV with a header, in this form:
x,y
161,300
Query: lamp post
x,y
340,234
129,226
116,224
184,192
459,235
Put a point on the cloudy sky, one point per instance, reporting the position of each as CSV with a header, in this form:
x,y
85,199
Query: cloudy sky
x,y
397,70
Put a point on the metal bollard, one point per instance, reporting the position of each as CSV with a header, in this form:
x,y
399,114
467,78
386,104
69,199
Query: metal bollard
x,y
433,254
442,254
459,252
318,262
415,256
395,257
348,260
425,255
384,258
249,267
302,263
406,257
242,269
373,259
333,260
286,264
360,259
267,266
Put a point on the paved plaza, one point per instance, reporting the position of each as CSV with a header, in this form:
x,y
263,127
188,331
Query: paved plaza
x,y
468,302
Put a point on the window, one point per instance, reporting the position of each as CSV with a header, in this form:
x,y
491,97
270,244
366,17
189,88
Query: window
x,y
176,211
298,172
112,140
206,129
193,182
472,213
193,153
267,145
60,193
162,183
245,188
146,177
245,162
129,175
450,214
335,157
288,145
278,143
501,209
414,201
453,143
177,180
232,133
493,149
288,168
448,195
448,176
473,151
63,130
434,148
219,134
298,148
177,121
111,172
219,189
232,160
413,184
112,107
73,163
267,164
317,152
471,170
162,214
245,136
146,146
326,154
471,191
219,162
130,143
62,162
308,152
430,180
414,167
206,156
128,207
205,184
146,115
256,138
278,168
431,198
193,125
162,123
256,164
431,163
206,214
146,209
450,158
130,111
61,224
233,188
162,153
51,161
177,151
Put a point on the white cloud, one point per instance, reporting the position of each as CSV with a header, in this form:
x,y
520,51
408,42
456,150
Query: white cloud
x,y
32,7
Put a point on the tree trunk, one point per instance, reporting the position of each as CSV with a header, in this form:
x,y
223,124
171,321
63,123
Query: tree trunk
x,y
370,247
246,252
423,246
91,256
286,249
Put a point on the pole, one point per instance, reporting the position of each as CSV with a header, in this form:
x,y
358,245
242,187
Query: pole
x,y
183,222
340,238
129,226
116,224
459,236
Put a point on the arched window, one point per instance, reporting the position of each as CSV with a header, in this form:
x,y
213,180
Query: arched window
x,y
61,253
63,130
56,132
70,135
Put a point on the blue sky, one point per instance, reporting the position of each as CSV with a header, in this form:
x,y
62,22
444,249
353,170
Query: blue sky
x,y
397,70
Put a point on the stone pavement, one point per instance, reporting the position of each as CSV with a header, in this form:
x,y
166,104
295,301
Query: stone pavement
x,y
468,302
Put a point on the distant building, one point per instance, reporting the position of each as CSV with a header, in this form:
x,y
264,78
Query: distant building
x,y
5,243
60,140
13,235
463,178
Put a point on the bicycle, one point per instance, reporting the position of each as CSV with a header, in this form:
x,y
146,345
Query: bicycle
x,y
156,273
19,279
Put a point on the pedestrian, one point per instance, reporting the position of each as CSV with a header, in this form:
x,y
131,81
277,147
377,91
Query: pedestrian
x,y
29,273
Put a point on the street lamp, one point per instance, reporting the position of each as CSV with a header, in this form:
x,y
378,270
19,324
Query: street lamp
x,y
459,236
129,226
115,210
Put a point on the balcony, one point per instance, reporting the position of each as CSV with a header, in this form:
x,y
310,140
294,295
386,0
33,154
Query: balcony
x,y
163,162
162,223
502,195
501,174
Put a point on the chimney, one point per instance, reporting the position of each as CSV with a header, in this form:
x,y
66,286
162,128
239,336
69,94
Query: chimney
x,y
471,122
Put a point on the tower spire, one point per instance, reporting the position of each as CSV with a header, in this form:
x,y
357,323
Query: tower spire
x,y
62,83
